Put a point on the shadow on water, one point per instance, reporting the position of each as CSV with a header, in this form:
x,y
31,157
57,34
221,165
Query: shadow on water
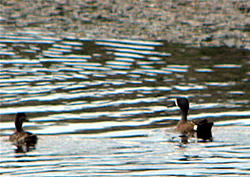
x,y
100,107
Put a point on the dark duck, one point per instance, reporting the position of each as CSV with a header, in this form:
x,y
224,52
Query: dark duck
x,y
20,137
202,129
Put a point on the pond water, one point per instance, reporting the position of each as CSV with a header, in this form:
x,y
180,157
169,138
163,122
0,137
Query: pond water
x,y
99,107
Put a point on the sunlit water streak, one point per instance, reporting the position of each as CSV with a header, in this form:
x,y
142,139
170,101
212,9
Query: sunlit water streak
x,y
99,108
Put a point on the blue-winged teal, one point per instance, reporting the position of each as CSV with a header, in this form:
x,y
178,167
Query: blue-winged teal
x,y
20,137
187,128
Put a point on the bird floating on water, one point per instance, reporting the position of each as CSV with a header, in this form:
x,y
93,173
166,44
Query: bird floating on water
x,y
201,129
20,137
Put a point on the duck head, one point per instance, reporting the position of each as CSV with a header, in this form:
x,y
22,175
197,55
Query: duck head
x,y
183,103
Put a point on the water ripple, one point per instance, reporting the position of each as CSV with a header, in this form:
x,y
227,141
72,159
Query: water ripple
x,y
99,107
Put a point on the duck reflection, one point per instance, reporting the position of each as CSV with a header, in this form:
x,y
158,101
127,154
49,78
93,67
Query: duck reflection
x,y
184,139
24,148
24,141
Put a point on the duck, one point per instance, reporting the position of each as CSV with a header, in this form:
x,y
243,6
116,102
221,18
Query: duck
x,y
185,127
201,129
20,137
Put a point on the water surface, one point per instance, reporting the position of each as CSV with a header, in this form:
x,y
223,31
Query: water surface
x,y
99,107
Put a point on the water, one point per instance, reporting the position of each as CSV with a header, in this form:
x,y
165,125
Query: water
x,y
99,107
